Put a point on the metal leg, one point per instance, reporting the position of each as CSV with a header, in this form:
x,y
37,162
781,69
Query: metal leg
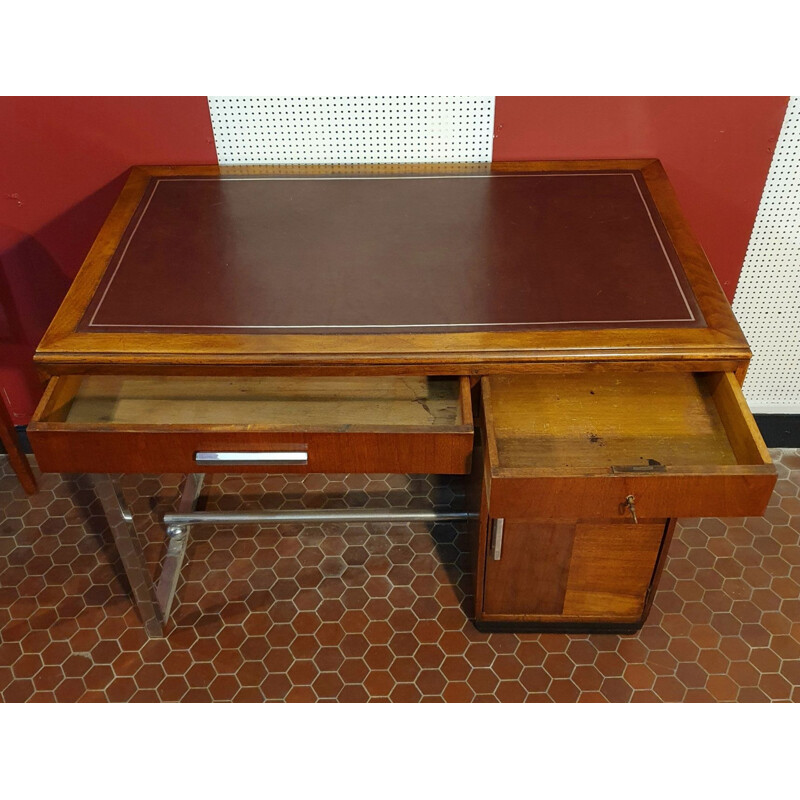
x,y
176,547
130,551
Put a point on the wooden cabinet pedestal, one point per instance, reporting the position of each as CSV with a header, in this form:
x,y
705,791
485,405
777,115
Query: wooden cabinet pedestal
x,y
583,477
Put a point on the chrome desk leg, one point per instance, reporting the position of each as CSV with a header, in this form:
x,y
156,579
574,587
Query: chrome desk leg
x,y
120,520
176,546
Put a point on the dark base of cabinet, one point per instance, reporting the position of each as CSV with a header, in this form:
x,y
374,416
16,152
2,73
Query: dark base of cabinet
x,y
559,627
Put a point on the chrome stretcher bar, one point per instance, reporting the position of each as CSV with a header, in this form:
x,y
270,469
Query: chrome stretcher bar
x,y
301,515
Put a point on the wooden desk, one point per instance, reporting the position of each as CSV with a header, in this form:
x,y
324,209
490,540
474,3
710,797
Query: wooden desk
x,y
551,328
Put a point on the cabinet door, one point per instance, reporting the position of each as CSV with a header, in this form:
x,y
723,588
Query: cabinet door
x,y
583,572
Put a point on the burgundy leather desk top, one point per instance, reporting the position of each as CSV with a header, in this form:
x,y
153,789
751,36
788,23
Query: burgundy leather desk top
x,y
393,255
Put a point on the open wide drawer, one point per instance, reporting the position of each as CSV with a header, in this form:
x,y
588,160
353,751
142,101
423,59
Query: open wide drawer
x,y
114,423
591,445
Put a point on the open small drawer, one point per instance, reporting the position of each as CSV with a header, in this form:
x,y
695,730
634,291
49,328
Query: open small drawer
x,y
604,444
116,423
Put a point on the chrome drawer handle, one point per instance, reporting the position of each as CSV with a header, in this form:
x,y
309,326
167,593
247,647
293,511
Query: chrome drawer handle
x,y
270,457
497,539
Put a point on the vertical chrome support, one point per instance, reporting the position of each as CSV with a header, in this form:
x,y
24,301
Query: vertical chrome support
x,y
120,521
176,545
497,539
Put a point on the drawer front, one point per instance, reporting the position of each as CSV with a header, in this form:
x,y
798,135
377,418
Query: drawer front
x,y
570,572
70,434
193,451
611,446
606,497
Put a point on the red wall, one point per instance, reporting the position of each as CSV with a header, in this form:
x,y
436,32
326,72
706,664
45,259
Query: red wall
x,y
716,151
63,161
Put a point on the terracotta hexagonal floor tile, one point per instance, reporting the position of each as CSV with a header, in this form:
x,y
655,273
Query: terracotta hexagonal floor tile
x,y
329,659
581,652
301,673
765,660
639,676
327,685
353,693
429,656
304,646
587,677
669,689
713,662
379,683
776,687
506,666
535,679
734,648
722,688
431,682
744,674
558,665
691,675
378,657
404,669
609,664
480,654
510,692
403,644
174,687
121,690
353,670
453,642
563,690
752,695
70,690
292,612
405,693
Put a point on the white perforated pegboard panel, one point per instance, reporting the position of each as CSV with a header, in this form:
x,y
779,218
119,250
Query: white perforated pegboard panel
x,y
767,301
352,130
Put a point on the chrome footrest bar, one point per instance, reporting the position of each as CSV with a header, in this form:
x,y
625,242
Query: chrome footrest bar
x,y
301,515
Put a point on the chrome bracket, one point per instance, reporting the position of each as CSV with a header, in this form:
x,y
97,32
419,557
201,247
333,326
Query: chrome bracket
x,y
177,544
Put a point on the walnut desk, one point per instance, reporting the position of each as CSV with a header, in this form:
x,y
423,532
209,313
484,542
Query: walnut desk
x,y
552,329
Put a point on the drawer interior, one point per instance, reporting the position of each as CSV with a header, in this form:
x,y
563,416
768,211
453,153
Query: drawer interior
x,y
328,403
591,422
